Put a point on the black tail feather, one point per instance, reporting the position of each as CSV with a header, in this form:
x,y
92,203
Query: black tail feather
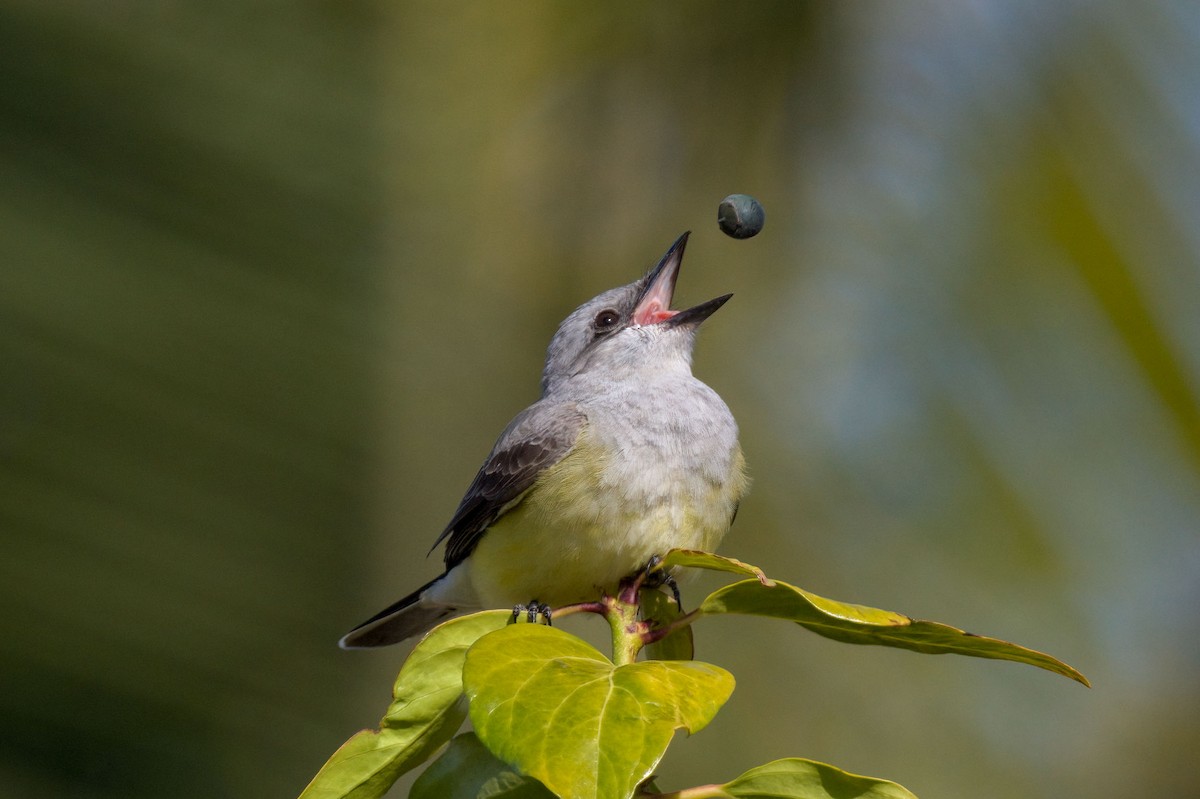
x,y
398,621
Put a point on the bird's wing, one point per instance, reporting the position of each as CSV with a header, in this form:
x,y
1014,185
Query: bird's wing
x,y
538,438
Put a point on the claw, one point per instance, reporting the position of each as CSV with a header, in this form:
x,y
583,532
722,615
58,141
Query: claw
x,y
532,611
658,579
669,582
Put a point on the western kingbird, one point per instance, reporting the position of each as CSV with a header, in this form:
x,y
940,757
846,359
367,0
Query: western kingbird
x,y
625,456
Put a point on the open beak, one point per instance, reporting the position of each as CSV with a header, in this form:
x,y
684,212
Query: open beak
x,y
654,306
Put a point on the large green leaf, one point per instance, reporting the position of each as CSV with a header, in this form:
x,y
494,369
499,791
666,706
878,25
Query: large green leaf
x,y
467,770
425,712
558,710
857,624
795,778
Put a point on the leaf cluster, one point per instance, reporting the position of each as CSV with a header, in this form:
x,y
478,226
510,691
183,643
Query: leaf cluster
x,y
554,717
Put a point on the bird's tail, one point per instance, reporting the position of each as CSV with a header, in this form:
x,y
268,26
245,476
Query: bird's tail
x,y
415,614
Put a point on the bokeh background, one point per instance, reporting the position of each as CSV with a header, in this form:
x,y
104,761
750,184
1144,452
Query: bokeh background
x,y
273,276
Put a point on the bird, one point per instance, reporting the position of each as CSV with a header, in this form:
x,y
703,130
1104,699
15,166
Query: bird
x,y
625,456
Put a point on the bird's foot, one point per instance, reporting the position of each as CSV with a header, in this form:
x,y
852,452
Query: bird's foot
x,y
652,577
533,610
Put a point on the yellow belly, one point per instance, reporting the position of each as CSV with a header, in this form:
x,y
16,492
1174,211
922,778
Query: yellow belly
x,y
589,521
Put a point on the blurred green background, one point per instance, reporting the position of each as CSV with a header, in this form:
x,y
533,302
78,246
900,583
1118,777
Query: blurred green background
x,y
275,275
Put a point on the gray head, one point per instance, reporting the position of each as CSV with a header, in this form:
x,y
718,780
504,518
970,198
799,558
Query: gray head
x,y
629,327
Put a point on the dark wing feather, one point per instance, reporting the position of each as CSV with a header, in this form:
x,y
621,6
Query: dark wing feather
x,y
538,438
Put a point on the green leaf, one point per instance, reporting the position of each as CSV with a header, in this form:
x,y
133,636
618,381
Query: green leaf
x,y
699,559
794,778
467,770
661,609
857,624
425,712
558,710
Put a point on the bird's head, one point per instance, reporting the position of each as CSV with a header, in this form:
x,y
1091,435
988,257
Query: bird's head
x,y
631,327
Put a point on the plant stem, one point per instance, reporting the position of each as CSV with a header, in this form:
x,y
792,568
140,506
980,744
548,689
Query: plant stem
x,y
629,634
658,633
627,631
698,792
581,607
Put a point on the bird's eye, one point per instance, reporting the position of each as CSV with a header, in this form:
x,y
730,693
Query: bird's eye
x,y
606,319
